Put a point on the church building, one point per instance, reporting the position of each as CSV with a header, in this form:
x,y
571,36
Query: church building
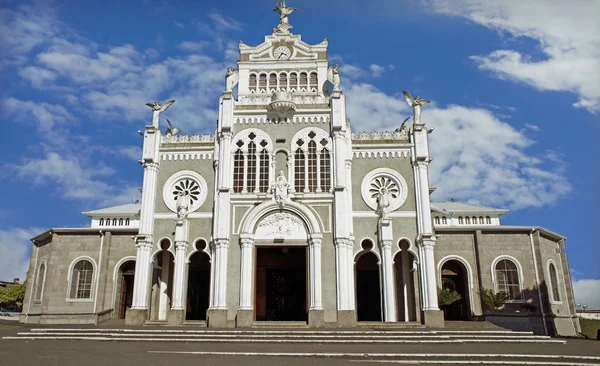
x,y
285,214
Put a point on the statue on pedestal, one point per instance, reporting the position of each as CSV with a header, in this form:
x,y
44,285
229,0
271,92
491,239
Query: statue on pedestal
x,y
284,22
182,205
281,190
157,109
333,76
416,104
231,79
383,203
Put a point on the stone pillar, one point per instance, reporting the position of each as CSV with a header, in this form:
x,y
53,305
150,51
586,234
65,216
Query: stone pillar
x,y
177,313
345,283
316,315
163,305
245,315
404,256
217,313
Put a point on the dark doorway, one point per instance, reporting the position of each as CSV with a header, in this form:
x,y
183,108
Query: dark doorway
x,y
454,278
198,290
281,284
127,275
368,292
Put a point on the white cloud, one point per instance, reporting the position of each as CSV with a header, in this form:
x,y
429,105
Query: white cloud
x,y
376,70
223,22
190,46
476,156
45,115
15,247
587,291
131,152
568,33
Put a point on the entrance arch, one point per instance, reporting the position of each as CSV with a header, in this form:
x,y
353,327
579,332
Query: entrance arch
x,y
455,276
198,285
125,280
405,283
368,285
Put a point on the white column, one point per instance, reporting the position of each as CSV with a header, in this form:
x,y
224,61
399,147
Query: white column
x,y
428,266
179,276
316,296
344,272
405,283
164,285
220,289
385,245
247,271
142,274
351,299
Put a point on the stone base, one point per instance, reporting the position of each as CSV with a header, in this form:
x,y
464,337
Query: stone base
x,y
216,318
433,318
244,318
346,318
136,316
316,318
175,317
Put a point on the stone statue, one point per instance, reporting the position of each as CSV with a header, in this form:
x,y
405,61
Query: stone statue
x,y
182,205
170,130
402,127
416,104
333,76
284,22
157,109
231,79
383,203
281,190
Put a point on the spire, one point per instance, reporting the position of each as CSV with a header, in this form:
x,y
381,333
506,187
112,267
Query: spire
x,y
284,12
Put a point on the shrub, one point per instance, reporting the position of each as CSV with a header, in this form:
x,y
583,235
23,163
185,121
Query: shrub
x,y
492,299
447,296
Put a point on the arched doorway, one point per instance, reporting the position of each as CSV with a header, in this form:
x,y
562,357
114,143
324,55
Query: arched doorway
x,y
405,284
162,282
125,286
368,291
198,289
454,277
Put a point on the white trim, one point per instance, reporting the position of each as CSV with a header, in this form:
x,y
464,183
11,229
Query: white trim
x,y
238,229
35,300
469,275
397,178
169,248
175,178
115,272
68,298
558,282
521,281
391,214
191,215
195,250
252,216
362,251
411,249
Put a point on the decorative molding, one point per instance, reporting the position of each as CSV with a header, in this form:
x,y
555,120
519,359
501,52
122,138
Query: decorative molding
x,y
391,214
389,177
192,215
186,156
196,199
281,225
288,120
260,136
320,135
383,135
186,139
398,153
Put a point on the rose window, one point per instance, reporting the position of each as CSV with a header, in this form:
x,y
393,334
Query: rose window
x,y
187,187
384,181
187,183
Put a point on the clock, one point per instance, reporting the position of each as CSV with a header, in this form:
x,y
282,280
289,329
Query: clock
x,y
282,53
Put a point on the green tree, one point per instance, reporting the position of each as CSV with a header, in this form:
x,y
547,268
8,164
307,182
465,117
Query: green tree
x,y
447,296
12,295
492,299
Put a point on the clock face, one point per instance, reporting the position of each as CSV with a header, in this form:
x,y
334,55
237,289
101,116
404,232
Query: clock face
x,y
282,53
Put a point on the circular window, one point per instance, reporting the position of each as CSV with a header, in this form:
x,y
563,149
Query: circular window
x,y
384,181
187,183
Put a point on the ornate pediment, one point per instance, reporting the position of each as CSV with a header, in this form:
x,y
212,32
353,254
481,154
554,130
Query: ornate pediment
x,y
281,226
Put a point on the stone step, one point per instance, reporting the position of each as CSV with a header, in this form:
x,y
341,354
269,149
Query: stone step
x,y
272,324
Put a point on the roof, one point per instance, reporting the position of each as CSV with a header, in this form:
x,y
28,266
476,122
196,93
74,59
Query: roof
x,y
82,230
499,228
453,206
128,209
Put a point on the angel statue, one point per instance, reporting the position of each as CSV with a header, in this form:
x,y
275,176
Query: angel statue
x,y
383,203
171,131
402,126
231,79
157,109
284,25
182,205
416,104
333,76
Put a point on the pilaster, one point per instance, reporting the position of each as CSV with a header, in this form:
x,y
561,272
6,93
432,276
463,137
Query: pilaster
x,y
181,246
387,269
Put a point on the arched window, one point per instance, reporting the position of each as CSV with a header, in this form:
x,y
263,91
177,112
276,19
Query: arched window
x,y
312,161
554,282
481,220
313,80
488,220
101,222
444,221
460,220
81,280
126,222
293,80
273,81
264,171
303,79
325,171
252,82
437,220
507,279
114,222
283,80
474,220
120,222
299,161
238,171
467,220
39,285
262,82
251,163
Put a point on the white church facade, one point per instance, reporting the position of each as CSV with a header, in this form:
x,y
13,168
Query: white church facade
x,y
285,214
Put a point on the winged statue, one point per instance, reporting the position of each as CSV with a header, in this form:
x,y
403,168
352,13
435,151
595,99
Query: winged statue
x,y
333,76
402,126
231,79
157,109
416,104
171,131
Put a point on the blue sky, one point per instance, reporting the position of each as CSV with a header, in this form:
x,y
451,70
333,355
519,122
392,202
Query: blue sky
x,y
516,91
